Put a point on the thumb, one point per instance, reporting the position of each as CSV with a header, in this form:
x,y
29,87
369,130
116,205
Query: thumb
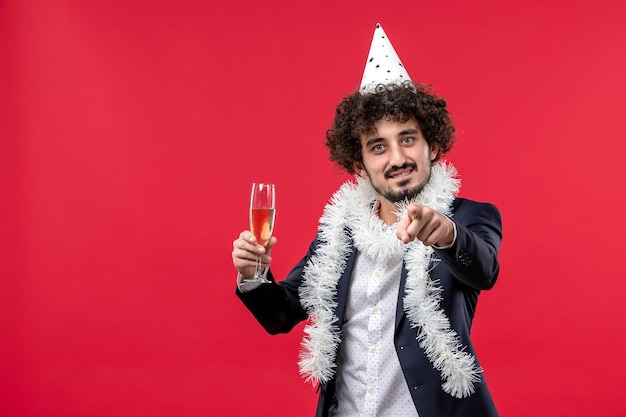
x,y
413,211
270,245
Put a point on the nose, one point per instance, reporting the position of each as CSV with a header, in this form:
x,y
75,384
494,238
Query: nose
x,y
397,156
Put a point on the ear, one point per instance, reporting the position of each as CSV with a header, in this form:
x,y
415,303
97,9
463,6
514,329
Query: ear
x,y
359,169
434,151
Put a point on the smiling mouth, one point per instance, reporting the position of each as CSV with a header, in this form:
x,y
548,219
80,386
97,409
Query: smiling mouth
x,y
401,172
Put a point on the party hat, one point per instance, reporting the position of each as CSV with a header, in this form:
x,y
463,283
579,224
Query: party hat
x,y
383,65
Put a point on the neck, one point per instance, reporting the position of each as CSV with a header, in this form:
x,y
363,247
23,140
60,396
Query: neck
x,y
387,211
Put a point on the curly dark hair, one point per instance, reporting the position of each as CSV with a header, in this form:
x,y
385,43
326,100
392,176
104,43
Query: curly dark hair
x,y
357,114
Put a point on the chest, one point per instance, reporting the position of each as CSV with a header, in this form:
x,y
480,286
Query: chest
x,y
372,295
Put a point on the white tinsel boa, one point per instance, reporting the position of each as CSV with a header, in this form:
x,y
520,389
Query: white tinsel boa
x,y
351,208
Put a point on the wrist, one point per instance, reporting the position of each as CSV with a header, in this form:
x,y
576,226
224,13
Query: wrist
x,y
450,237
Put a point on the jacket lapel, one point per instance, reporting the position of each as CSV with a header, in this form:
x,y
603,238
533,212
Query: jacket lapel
x,y
401,294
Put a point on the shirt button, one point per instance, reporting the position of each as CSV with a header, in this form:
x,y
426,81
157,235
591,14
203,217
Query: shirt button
x,y
375,310
374,350
372,390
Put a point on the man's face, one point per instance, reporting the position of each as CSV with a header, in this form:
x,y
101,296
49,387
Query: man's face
x,y
397,159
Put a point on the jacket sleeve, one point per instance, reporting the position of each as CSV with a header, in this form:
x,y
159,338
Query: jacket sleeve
x,y
473,258
276,306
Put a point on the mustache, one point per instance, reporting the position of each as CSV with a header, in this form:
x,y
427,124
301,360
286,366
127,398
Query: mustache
x,y
404,166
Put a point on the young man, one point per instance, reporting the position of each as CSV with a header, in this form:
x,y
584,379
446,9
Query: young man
x,y
391,282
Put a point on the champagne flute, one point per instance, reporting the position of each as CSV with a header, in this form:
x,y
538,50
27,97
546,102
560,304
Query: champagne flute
x,y
262,209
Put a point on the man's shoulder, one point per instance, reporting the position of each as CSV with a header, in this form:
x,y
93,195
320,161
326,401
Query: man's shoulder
x,y
465,205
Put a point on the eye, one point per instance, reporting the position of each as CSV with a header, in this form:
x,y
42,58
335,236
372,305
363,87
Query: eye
x,y
408,139
378,148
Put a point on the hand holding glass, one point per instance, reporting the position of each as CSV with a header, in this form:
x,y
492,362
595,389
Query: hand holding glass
x,y
262,209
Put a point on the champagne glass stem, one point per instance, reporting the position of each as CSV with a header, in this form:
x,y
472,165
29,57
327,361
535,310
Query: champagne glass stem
x,y
257,267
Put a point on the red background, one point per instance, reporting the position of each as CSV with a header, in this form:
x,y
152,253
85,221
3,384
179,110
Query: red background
x,y
131,131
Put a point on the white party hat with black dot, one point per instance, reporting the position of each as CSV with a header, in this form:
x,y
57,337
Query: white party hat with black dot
x,y
383,65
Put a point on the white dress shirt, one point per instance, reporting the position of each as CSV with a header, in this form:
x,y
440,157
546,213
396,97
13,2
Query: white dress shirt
x,y
370,381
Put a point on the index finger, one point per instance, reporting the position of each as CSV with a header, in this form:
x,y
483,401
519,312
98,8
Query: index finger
x,y
247,242
248,236
414,211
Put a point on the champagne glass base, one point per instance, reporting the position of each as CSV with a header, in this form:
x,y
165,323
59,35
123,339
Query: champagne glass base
x,y
256,280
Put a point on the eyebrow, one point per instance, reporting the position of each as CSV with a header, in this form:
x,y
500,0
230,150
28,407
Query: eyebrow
x,y
372,141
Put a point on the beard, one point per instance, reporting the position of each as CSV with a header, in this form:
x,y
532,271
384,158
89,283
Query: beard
x,y
402,194
398,196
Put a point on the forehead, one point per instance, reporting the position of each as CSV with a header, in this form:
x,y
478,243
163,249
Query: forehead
x,y
387,128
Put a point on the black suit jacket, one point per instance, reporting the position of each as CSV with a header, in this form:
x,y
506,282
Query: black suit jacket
x,y
469,266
